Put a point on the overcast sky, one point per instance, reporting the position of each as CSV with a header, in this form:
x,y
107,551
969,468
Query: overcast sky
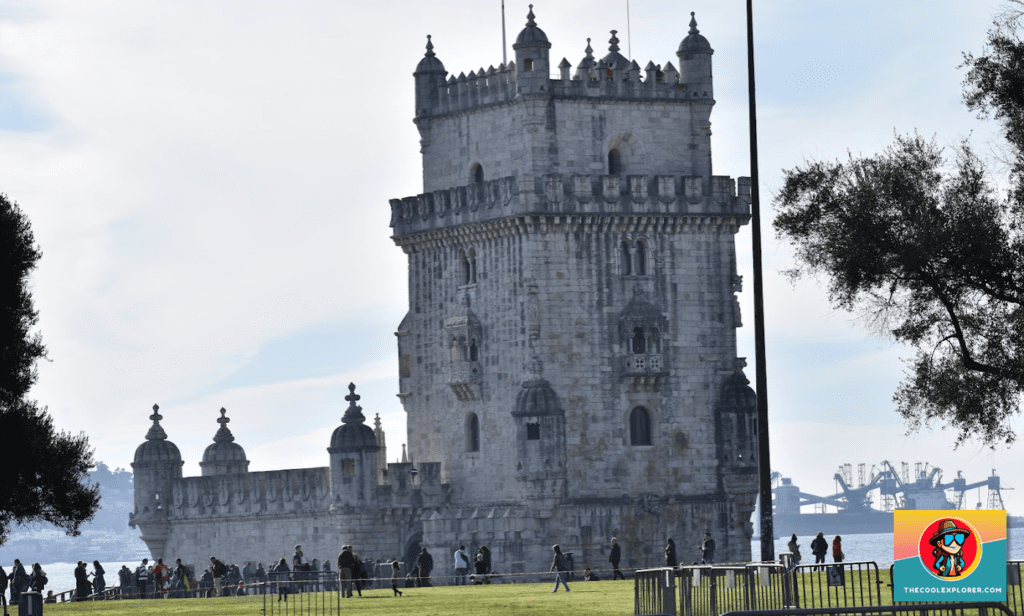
x,y
209,184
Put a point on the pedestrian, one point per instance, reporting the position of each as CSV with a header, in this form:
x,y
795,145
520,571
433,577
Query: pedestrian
x,y
486,551
461,565
3,589
231,580
280,575
261,579
358,574
82,586
218,570
297,558
160,574
614,559
559,566
184,585
18,580
205,582
670,554
707,550
346,566
794,549
425,562
142,577
819,547
396,572
99,582
837,549
124,578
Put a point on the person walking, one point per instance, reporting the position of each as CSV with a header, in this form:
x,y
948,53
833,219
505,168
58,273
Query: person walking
x,y
461,565
396,574
707,550
99,582
614,559
837,550
559,566
280,576
346,567
218,570
142,577
426,564
670,554
794,548
82,585
3,589
819,547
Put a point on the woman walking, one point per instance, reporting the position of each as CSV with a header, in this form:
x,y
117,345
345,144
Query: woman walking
x,y
99,584
559,566
396,574
670,554
837,550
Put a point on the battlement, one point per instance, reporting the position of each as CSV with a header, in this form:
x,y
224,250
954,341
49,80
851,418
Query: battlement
x,y
601,195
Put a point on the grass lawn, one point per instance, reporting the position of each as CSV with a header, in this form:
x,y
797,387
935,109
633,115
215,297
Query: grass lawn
x,y
586,599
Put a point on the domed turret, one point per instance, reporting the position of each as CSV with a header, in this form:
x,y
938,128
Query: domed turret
x,y
615,60
224,456
353,453
429,76
540,430
695,63
531,48
157,449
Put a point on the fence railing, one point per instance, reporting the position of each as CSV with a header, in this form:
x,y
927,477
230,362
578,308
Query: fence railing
x,y
655,592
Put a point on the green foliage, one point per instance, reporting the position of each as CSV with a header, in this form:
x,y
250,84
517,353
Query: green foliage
x,y
926,253
44,471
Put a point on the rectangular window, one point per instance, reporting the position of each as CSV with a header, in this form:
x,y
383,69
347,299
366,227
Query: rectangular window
x,y
348,467
533,431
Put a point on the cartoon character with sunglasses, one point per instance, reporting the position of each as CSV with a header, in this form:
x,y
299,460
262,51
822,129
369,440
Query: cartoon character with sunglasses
x,y
949,544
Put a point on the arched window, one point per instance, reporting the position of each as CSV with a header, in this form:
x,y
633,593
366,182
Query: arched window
x,y
473,433
472,265
654,341
467,269
639,427
627,259
614,162
641,259
528,64
477,174
639,341
472,350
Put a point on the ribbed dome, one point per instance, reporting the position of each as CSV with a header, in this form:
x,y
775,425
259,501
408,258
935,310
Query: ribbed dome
x,y
157,448
224,456
639,309
536,398
737,395
531,36
353,434
430,63
694,42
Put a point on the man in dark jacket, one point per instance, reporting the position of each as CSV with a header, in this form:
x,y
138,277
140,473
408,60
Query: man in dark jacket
x,y
614,559
19,581
346,570
426,564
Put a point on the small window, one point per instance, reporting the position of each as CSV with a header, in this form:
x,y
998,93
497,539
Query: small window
x,y
473,353
654,341
472,265
528,64
465,266
641,259
639,427
477,174
639,341
626,258
473,432
533,431
348,467
614,162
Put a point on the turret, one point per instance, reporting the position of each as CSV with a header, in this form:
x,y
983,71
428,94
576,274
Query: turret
x,y
695,63
429,77
531,48
157,464
354,464
224,456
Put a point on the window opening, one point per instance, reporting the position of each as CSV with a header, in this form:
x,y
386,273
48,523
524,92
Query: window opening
x,y
641,259
478,174
348,467
639,427
533,431
474,432
627,260
614,162
639,343
528,64
472,350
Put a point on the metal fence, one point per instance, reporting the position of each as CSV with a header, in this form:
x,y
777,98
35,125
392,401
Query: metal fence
x,y
655,592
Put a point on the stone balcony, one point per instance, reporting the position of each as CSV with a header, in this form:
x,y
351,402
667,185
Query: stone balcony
x,y
644,371
464,378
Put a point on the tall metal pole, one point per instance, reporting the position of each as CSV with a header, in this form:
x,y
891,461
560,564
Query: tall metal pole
x,y
504,57
764,469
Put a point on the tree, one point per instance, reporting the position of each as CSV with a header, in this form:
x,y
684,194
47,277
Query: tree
x,y
44,472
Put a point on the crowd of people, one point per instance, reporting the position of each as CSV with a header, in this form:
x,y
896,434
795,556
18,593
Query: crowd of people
x,y
820,548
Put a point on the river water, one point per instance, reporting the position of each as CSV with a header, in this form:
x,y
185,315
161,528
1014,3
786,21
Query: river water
x,y
877,547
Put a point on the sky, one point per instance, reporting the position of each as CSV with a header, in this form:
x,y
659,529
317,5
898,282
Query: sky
x,y
209,185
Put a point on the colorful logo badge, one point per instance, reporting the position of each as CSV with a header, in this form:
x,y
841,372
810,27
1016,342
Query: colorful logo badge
x,y
949,556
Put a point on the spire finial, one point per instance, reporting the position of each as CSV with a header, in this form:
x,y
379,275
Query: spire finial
x,y
589,50
465,300
223,434
156,431
613,42
430,48
530,23
354,412
693,24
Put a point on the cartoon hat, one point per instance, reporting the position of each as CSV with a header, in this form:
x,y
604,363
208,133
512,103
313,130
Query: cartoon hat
x,y
947,527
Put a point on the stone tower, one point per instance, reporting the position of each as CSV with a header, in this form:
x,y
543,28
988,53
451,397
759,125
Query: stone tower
x,y
156,465
569,353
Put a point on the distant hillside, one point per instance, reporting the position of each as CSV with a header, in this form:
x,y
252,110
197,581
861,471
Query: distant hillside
x,y
106,538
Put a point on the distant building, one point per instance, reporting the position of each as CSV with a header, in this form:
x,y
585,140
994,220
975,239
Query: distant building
x,y
568,362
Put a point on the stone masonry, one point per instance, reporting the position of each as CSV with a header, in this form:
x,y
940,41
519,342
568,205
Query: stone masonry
x,y
568,362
